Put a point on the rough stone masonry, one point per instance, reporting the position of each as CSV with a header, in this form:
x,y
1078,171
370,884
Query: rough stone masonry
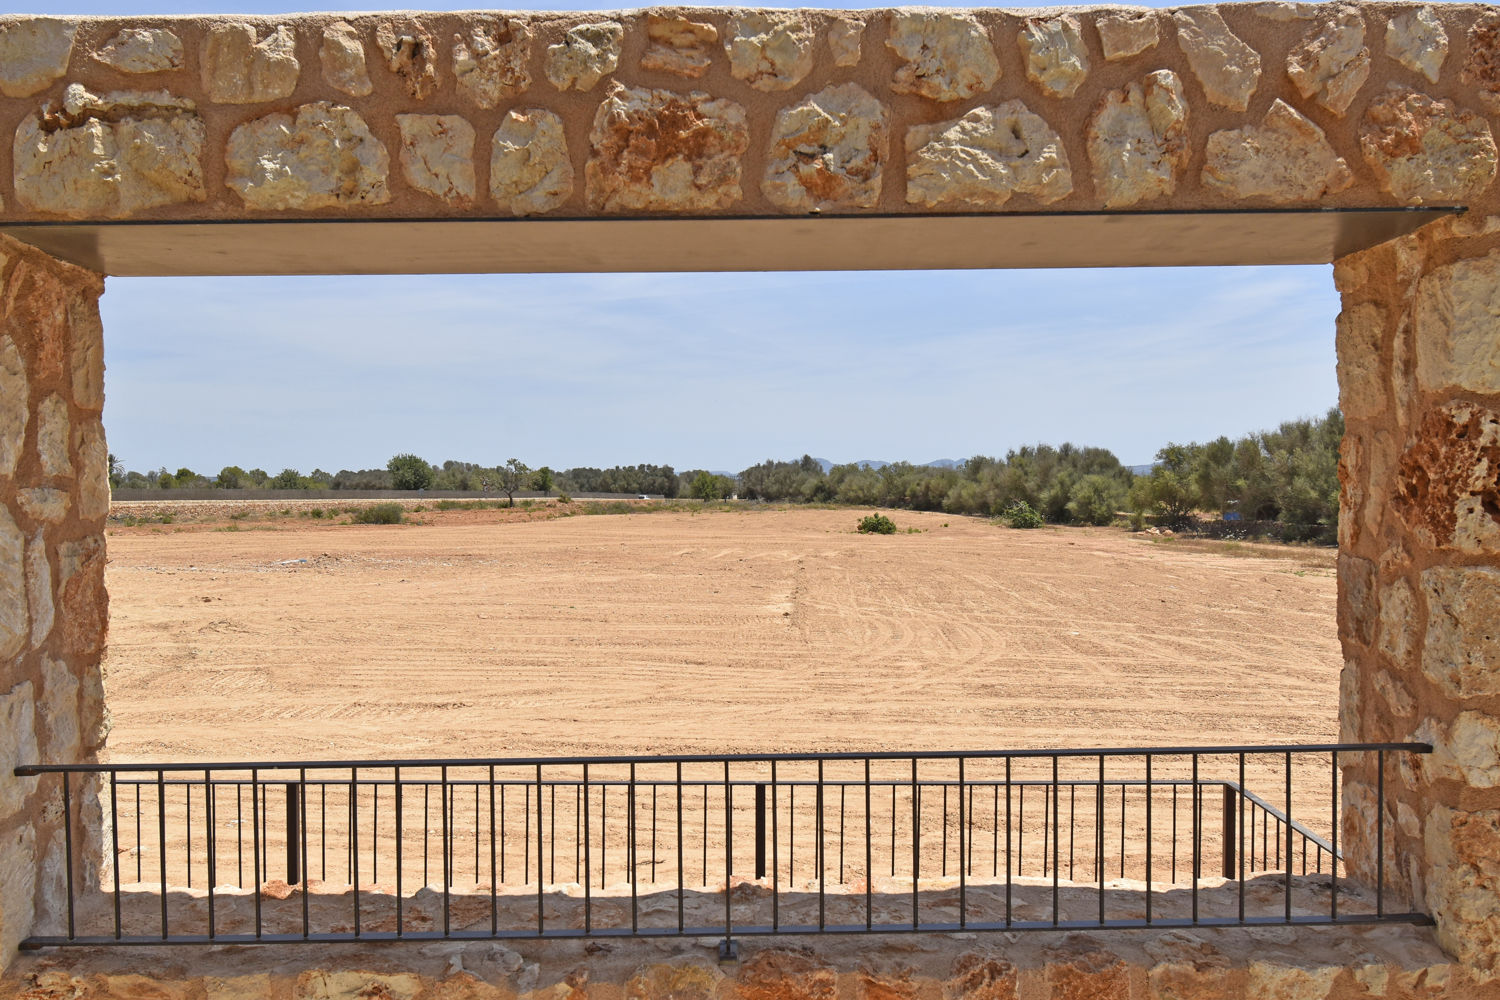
x,y
702,112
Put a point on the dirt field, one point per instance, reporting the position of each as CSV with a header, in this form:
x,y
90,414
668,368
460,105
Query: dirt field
x,y
480,635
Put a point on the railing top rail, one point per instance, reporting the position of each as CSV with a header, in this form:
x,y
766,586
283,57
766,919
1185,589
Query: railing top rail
x,y
31,770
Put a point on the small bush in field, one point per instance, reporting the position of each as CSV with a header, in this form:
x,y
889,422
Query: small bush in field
x,y
380,513
877,524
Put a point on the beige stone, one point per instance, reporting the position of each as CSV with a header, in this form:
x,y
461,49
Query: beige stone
x,y
828,152
39,584
985,157
1462,645
1416,40
143,50
34,51
1398,625
1463,886
1357,612
769,50
678,46
324,157
846,40
1332,63
490,63
530,170
18,743
1457,329
87,360
1124,35
1482,69
437,156
1445,485
1187,981
678,980
238,69
661,151
15,405
110,156
1275,981
1426,150
1285,159
1350,698
1226,68
1468,751
255,986
1398,700
1359,332
356,985
43,503
59,713
981,977
411,54
93,470
342,58
52,436
945,56
587,54
1138,141
82,606
18,874
14,621
1057,61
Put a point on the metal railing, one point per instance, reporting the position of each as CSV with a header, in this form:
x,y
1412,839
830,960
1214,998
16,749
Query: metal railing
x,y
713,845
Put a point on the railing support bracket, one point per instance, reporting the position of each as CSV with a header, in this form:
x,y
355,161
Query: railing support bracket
x,y
729,951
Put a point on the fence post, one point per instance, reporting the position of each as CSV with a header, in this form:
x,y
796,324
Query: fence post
x,y
760,831
293,835
1231,819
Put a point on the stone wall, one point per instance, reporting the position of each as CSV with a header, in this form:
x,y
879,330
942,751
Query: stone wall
x,y
54,495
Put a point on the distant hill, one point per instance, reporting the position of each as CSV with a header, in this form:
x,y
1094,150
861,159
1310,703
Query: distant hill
x,y
880,463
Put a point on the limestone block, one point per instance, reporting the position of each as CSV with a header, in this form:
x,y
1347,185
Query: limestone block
x,y
661,151
1360,331
39,585
1274,981
845,40
60,712
87,361
1284,159
1445,488
1187,981
324,157
15,405
42,503
1417,41
1425,150
1468,751
1137,140
1457,330
1357,611
1057,61
1482,70
1227,68
94,722
981,977
93,470
1331,63
530,170
828,151
18,875
490,63
587,54
437,156
1351,696
777,972
52,436
342,57
356,985
1398,627
238,69
769,50
83,605
34,51
143,50
1125,35
111,155
14,622
18,744
680,980
410,54
946,57
1463,883
1462,644
1091,974
255,986
678,46
985,157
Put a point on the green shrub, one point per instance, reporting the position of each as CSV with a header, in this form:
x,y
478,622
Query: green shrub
x,y
380,513
315,512
563,497
1137,521
877,524
1021,514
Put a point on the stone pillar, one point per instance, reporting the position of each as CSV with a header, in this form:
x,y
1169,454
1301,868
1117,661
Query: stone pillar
x,y
1419,569
54,495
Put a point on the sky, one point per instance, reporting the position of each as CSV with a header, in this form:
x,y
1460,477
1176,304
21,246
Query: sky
x,y
714,371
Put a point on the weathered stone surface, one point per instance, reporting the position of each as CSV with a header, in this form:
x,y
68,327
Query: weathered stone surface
x,y
238,69
1457,345
59,707
1398,626
778,973
1482,70
1445,484
490,63
1398,700
14,621
530,170
43,503
1124,35
1057,61
87,361
1357,609
1351,719
1137,140
1092,974
846,40
985,157
1266,980
678,980
981,977
828,151
93,470
769,50
947,57
39,584
33,53
1227,68
678,46
1417,41
82,606
1468,751
1332,62
1187,981
15,405
111,155
18,744
1285,159
587,54
18,875
437,156
660,151
356,985
342,57
324,157
1462,644
52,436
1360,330
1424,150
256,986
143,50
410,54
1463,884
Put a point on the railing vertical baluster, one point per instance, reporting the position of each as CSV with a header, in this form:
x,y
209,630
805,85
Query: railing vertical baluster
x,y
963,885
1288,894
187,849
1150,840
1099,819
916,847
655,785
681,859
1379,835
494,878
1333,869
1197,804
588,898
1174,833
1072,828
945,829
1240,815
301,837
869,856
447,857
293,824
354,840
727,947
843,790
635,861
239,834
426,832
822,862
114,838
893,827
374,831
775,856
1229,830
255,842
995,832
323,829
400,819
140,841
68,855
551,833
1009,882
502,833
161,831
541,913
760,830
1056,874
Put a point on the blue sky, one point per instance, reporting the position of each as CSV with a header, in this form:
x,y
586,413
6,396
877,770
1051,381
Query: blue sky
x,y
698,370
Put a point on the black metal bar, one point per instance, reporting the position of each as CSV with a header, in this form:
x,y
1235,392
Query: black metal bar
x,y
760,830
1009,882
822,862
68,852
588,899
354,839
541,914
494,878
630,839
776,855
1231,801
210,798
255,834
1289,837
1197,803
916,846
1379,834
293,825
963,885
1150,843
161,829
187,847
301,827
1333,826
400,822
447,857
1099,814
1239,813
681,862
1056,874
727,947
